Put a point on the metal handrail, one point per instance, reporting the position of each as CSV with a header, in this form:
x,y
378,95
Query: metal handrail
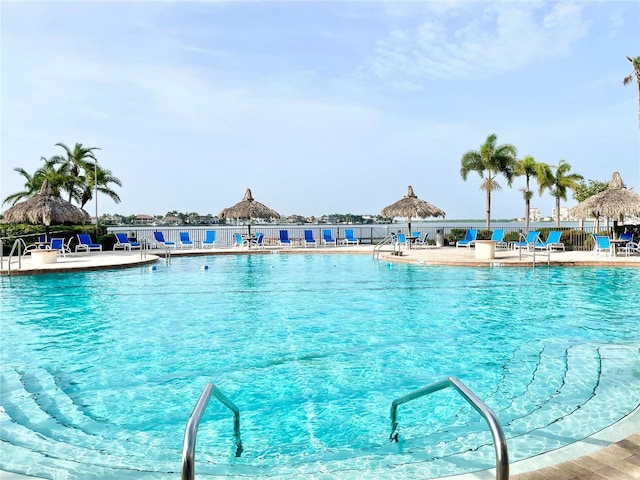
x,y
191,430
532,247
18,243
499,440
385,241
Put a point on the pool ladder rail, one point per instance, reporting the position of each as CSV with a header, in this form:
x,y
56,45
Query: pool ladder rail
x,y
389,240
189,443
500,442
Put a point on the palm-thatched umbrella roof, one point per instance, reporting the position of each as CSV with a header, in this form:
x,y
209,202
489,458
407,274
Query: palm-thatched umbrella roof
x,y
411,206
615,202
247,209
45,208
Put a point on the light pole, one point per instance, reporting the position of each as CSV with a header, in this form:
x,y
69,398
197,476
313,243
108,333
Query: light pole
x,y
95,183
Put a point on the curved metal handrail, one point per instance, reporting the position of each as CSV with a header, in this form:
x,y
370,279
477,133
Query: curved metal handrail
x,y
191,430
499,440
385,241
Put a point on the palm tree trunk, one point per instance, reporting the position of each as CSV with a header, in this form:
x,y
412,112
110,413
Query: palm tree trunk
x,y
488,222
527,209
558,212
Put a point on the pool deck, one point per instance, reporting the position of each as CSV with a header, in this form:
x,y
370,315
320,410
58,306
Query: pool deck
x,y
450,256
613,454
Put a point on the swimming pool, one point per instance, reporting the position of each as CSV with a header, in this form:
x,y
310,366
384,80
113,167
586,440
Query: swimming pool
x,y
100,370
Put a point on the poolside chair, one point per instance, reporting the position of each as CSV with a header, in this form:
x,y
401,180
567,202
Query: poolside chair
x,y
630,247
258,241
469,238
401,240
58,245
529,243
552,243
209,239
603,244
161,242
349,238
123,242
498,237
327,238
284,238
309,240
185,240
240,242
85,243
421,241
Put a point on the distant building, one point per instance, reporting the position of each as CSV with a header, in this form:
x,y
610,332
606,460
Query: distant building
x,y
142,219
564,214
172,220
534,214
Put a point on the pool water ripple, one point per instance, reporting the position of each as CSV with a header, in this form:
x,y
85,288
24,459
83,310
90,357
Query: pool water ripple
x,y
100,370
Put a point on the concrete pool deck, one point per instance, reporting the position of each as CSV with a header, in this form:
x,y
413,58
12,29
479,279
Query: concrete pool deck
x,y
426,256
612,454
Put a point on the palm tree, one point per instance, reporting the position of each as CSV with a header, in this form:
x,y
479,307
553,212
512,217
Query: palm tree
x,y
629,79
490,161
559,182
75,166
105,179
33,183
529,168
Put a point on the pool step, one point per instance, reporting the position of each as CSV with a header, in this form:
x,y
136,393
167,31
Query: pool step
x,y
590,384
560,387
35,414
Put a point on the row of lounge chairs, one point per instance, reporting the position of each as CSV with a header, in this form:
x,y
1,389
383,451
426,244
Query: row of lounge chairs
x,y
256,240
530,242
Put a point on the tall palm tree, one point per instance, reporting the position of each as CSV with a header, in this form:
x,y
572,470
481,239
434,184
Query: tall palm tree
x,y
490,161
105,179
559,182
75,165
529,168
629,79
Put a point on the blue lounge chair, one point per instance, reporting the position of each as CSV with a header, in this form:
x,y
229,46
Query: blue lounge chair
x,y
349,238
530,241
327,238
85,243
498,237
161,242
209,239
469,238
258,241
240,242
421,241
284,238
552,242
603,244
401,240
123,242
185,240
58,245
309,240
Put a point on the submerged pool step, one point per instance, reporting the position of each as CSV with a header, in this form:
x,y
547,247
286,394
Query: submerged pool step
x,y
25,423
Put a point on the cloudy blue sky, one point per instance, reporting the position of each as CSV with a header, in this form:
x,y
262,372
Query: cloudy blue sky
x,y
318,107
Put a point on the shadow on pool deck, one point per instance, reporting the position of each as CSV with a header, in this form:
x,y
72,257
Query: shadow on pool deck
x,y
618,460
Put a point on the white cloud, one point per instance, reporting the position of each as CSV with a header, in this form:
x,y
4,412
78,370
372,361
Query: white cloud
x,y
477,39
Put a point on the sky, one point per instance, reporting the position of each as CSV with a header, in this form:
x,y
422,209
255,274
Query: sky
x,y
319,107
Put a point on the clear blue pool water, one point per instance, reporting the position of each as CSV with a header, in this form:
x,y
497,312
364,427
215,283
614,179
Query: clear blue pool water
x,y
100,370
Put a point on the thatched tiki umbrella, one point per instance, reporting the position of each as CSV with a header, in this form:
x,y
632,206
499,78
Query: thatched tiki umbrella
x,y
615,202
411,206
248,209
46,208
